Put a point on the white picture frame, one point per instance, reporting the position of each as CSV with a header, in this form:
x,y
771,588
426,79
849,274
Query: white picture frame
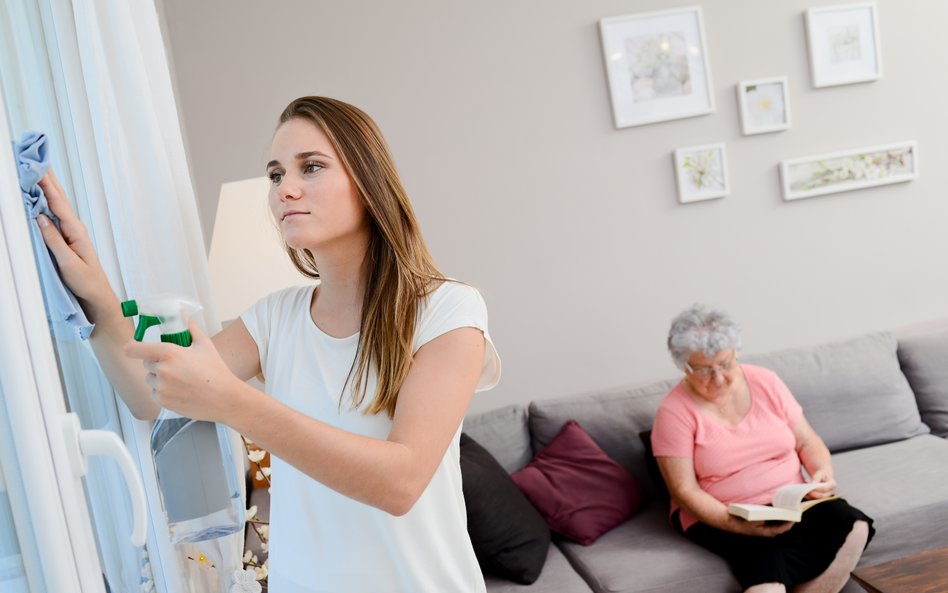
x,y
657,66
843,42
764,104
701,172
848,170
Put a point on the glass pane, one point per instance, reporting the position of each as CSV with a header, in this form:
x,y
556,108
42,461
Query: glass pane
x,y
16,537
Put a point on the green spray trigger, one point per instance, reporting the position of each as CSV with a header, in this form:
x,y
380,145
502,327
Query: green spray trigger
x,y
165,311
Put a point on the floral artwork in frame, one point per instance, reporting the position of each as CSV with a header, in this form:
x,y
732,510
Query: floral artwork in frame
x,y
849,170
701,173
764,104
657,66
844,44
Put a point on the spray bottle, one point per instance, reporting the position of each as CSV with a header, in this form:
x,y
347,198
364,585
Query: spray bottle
x,y
200,493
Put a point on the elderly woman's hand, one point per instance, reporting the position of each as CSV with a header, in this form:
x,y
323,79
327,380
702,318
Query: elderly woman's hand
x,y
828,488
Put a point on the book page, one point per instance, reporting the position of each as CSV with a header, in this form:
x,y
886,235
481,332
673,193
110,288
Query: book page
x,y
791,495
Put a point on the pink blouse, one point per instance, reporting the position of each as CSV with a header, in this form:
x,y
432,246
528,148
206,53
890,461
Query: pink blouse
x,y
743,462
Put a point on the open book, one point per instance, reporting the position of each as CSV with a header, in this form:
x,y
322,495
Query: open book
x,y
788,504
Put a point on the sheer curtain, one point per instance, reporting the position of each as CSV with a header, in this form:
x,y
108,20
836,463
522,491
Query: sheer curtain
x,y
93,75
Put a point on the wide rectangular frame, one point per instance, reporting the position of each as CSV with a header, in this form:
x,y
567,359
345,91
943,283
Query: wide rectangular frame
x,y
747,126
615,32
909,147
821,74
686,197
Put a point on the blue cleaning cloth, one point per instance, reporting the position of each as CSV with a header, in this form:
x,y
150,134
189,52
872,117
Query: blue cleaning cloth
x,y
32,162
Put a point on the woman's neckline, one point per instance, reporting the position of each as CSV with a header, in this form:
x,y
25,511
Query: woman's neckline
x,y
315,325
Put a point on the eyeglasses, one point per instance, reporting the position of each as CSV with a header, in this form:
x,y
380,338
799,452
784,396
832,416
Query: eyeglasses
x,y
707,372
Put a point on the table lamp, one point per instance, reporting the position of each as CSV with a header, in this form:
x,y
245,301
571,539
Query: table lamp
x,y
246,261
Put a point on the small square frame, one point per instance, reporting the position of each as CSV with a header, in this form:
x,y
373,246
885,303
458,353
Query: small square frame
x,y
764,104
847,170
657,66
843,43
701,172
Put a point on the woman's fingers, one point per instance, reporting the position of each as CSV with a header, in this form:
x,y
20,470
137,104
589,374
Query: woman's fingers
x,y
56,196
63,253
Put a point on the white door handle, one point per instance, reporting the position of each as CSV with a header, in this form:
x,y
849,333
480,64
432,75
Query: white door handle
x,y
86,443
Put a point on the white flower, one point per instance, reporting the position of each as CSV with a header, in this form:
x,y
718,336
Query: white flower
x,y
266,471
247,555
261,572
252,511
245,581
264,530
259,476
257,455
265,547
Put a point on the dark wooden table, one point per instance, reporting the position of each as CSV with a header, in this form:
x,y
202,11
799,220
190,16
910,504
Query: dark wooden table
x,y
922,573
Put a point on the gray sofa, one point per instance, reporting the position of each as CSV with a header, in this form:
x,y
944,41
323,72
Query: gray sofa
x,y
879,401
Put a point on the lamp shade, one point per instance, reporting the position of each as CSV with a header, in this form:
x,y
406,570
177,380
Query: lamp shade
x,y
246,261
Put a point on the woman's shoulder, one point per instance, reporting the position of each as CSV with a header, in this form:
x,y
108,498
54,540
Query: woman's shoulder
x,y
452,294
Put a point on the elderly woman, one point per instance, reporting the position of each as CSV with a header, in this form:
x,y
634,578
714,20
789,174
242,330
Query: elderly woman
x,y
731,432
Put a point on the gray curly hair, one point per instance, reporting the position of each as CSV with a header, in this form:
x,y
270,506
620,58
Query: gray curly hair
x,y
700,328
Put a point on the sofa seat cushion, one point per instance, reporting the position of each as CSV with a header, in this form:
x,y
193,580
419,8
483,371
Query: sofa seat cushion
x,y
557,577
903,486
853,393
924,360
645,555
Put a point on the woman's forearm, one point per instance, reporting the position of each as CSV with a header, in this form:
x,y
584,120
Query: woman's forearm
x,y
380,473
816,458
127,376
705,508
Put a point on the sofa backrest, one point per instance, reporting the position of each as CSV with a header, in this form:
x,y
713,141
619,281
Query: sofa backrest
x,y
924,360
612,418
505,435
853,393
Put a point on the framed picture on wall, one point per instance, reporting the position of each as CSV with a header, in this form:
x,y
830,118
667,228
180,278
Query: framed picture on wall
x,y
844,44
848,170
764,105
701,173
657,66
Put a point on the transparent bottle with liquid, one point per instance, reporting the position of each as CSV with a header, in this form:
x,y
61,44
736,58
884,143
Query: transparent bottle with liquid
x,y
196,478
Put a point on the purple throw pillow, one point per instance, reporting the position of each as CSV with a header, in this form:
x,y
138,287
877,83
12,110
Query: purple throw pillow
x,y
580,491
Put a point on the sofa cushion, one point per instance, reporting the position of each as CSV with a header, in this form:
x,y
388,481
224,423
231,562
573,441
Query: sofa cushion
x,y
853,393
578,489
613,419
924,360
645,555
505,435
903,486
557,577
509,537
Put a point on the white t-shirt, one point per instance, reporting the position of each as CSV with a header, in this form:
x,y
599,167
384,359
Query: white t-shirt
x,y
323,541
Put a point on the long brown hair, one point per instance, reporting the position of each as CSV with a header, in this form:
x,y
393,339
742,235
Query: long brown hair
x,y
400,268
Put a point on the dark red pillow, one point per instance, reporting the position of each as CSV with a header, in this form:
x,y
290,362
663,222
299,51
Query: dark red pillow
x,y
580,491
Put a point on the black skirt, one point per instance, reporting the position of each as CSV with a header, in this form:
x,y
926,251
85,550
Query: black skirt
x,y
794,557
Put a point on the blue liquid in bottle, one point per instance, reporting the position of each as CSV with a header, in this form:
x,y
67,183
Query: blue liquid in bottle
x,y
197,480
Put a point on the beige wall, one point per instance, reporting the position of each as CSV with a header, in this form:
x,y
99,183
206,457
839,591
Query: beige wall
x,y
499,117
